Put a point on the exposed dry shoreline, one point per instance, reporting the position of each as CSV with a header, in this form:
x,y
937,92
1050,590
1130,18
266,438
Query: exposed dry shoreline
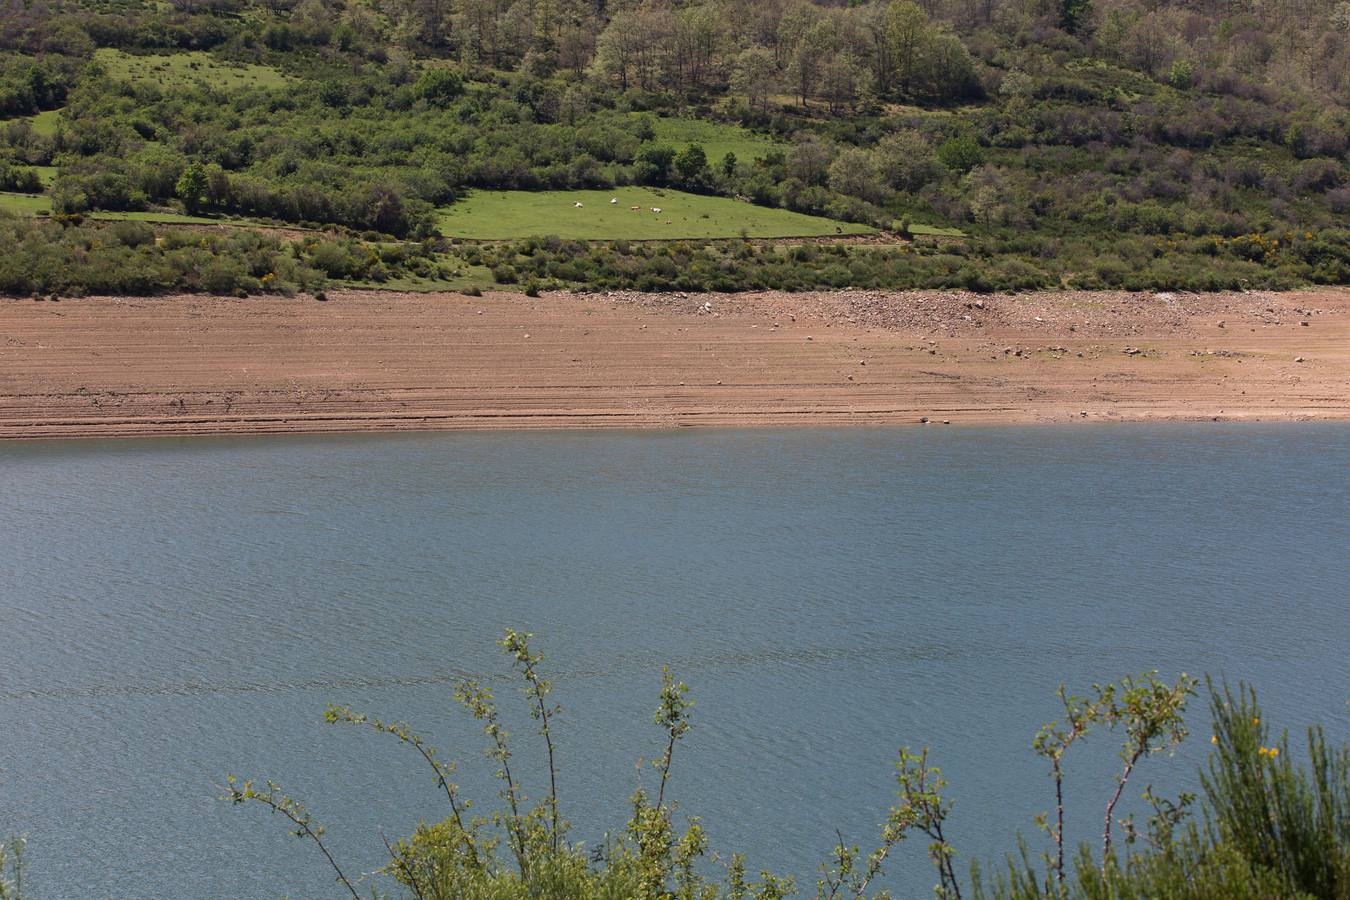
x,y
366,361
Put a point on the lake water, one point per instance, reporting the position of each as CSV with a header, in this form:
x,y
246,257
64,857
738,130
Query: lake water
x,y
171,611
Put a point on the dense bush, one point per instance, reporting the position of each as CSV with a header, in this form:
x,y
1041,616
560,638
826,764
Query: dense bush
x,y
130,257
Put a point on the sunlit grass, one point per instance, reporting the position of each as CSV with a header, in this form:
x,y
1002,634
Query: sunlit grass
x,y
186,68
505,215
716,139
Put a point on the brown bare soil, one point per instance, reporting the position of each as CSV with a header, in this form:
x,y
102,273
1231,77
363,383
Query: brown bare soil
x,y
363,361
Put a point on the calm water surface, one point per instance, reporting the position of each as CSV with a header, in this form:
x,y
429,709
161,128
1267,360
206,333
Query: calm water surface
x,y
171,611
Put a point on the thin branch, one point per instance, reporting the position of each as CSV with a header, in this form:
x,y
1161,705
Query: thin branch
x,y
405,869
295,812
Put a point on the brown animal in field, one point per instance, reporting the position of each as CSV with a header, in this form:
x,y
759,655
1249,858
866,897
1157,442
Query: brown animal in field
x,y
635,208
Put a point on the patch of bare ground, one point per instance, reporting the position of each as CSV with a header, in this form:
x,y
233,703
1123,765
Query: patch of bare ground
x,y
367,361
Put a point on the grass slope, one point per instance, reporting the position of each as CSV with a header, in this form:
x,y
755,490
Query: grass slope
x,y
41,205
25,204
716,139
44,123
186,68
504,215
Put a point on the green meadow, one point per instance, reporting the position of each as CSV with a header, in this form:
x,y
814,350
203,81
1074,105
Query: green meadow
x,y
41,205
932,230
44,123
716,138
505,215
187,68
25,204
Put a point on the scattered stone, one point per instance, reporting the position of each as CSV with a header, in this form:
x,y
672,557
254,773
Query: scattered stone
x,y
923,420
1298,359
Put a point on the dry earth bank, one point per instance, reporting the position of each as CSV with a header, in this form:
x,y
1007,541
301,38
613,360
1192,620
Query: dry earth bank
x,y
108,366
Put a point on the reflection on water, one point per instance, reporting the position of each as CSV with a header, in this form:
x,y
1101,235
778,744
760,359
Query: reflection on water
x,y
174,610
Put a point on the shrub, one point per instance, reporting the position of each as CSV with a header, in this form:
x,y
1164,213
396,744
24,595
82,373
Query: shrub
x,y
132,234
960,154
439,86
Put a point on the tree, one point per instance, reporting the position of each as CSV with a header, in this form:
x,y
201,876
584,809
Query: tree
x,y
960,154
910,33
755,77
691,164
653,165
841,81
809,160
192,184
617,50
949,69
698,35
908,161
808,60
1073,13
855,172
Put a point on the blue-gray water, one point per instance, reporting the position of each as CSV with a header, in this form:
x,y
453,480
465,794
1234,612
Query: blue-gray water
x,y
174,610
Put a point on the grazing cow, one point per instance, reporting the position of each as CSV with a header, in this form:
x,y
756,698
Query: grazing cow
x,y
656,209
577,205
635,208
613,199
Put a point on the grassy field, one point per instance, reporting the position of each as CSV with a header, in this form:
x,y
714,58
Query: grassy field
x,y
44,123
498,215
25,204
716,139
163,218
933,230
187,68
41,205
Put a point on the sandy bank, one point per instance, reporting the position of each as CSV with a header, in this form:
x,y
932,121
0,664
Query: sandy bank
x,y
363,361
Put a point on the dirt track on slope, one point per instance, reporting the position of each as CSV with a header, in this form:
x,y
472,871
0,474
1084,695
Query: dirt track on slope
x,y
365,361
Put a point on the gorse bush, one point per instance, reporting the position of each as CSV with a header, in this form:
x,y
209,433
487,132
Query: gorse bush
x,y
1265,826
1293,825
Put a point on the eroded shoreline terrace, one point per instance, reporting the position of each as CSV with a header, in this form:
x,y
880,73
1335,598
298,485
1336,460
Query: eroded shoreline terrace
x,y
369,361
